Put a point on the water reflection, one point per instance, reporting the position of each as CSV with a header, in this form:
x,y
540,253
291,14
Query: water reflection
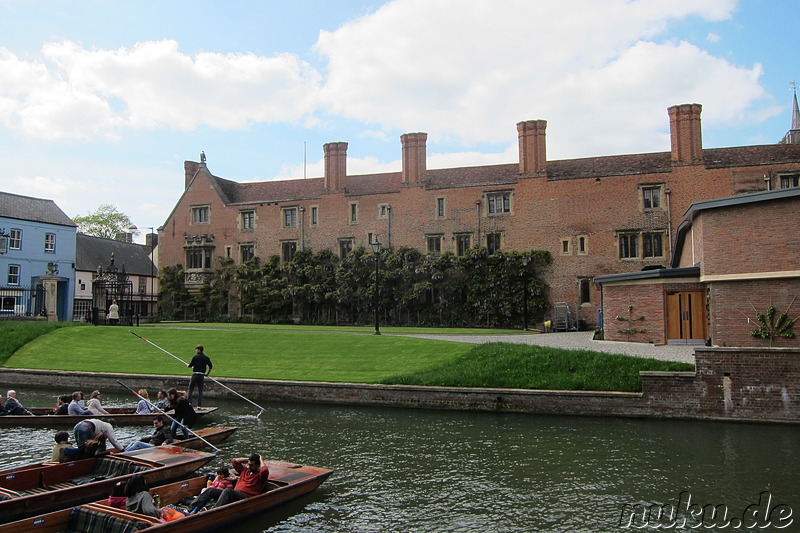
x,y
433,471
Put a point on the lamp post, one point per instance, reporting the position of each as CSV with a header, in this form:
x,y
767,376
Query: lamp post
x,y
134,229
376,247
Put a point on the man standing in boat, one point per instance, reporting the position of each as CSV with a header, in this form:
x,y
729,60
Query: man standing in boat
x,y
201,367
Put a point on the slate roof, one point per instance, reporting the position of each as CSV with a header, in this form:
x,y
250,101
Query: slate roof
x,y
501,175
33,209
92,252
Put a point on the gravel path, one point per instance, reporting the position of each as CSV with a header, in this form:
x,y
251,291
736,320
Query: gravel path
x,y
580,340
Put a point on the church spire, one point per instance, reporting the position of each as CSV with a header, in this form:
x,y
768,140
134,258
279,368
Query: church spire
x,y
793,136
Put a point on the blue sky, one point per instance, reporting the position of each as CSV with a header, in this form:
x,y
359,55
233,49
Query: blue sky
x,y
101,102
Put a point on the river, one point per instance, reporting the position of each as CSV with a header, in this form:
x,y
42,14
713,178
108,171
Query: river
x,y
447,471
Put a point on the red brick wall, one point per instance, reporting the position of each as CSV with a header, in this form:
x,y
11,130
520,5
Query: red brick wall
x,y
730,383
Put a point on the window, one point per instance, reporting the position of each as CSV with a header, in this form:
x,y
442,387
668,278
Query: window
x,y
652,244
15,239
493,242
651,197
13,274
790,181
200,215
383,210
345,247
462,244
434,244
50,243
585,291
628,245
353,213
314,215
290,217
499,202
248,220
198,258
142,285
288,248
583,247
8,303
565,247
247,251
440,207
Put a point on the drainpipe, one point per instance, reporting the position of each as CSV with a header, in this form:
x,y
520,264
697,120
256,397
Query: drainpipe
x,y
667,191
302,229
478,210
389,227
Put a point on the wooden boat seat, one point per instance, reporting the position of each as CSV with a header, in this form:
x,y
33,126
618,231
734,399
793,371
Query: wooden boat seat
x,y
7,494
107,467
88,520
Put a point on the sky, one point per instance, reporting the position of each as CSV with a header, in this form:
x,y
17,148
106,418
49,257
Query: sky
x,y
102,102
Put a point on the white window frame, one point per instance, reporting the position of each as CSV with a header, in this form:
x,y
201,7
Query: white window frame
x,y
49,243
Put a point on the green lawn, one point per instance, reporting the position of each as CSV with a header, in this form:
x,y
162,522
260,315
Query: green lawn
x,y
306,353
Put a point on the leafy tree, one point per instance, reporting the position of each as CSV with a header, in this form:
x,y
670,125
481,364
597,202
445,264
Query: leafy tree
x,y
106,221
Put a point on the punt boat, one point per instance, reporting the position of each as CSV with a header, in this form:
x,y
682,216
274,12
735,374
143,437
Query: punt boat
x,y
214,435
287,482
123,416
42,487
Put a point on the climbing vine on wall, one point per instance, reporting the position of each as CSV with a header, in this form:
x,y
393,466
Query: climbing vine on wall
x,y
771,326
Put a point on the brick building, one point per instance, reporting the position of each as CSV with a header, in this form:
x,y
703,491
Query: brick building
x,y
597,216
734,257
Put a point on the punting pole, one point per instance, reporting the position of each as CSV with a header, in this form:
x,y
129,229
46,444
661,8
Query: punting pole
x,y
159,411
261,409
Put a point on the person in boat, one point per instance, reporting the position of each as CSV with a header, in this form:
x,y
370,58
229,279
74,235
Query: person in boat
x,y
62,443
63,405
201,367
161,400
144,406
184,413
139,499
94,406
75,406
92,428
117,498
161,435
253,479
95,447
12,405
223,480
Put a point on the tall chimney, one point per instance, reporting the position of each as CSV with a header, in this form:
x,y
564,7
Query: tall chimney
x,y
190,171
685,134
335,165
532,146
414,158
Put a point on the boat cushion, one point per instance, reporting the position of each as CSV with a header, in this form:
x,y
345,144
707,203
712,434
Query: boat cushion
x,y
107,467
90,521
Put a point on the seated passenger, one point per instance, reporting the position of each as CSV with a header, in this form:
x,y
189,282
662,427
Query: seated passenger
x,y
144,406
252,481
94,406
161,435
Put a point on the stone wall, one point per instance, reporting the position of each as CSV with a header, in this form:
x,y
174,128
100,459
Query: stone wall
x,y
729,384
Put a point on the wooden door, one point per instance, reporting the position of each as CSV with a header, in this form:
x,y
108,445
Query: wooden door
x,y
686,316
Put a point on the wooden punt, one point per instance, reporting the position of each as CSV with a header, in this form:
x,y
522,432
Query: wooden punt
x,y
288,482
214,435
123,416
42,487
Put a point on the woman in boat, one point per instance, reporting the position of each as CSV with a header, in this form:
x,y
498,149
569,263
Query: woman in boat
x,y
94,406
117,498
184,413
63,405
144,406
138,497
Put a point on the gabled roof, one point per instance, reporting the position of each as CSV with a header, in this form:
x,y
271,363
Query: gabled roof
x,y
33,209
92,252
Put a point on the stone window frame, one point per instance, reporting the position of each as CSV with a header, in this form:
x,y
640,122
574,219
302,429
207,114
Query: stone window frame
x,y
441,207
352,216
247,217
506,202
493,247
789,180
649,201
289,217
461,250
628,245
314,215
566,246
345,245
201,215
435,239
247,251
288,250
647,242
383,210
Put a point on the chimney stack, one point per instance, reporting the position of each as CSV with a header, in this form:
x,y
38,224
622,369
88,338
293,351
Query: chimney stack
x,y
190,169
335,165
532,146
414,158
685,134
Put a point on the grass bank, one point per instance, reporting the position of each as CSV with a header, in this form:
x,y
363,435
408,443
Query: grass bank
x,y
352,355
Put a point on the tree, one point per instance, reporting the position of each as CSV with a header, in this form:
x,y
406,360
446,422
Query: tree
x,y
104,222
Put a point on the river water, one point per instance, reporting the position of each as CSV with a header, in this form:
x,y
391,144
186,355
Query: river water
x,y
447,471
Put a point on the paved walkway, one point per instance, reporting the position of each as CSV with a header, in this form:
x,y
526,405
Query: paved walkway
x,y
580,340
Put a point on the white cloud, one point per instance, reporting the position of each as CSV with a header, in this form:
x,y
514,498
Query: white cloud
x,y
587,67
72,92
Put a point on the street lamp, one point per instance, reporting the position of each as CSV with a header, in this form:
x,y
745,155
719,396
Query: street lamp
x,y
134,229
376,247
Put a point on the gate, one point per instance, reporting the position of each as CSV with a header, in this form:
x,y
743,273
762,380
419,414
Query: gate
x,y
109,285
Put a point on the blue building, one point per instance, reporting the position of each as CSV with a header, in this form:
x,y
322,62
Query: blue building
x,y
37,258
